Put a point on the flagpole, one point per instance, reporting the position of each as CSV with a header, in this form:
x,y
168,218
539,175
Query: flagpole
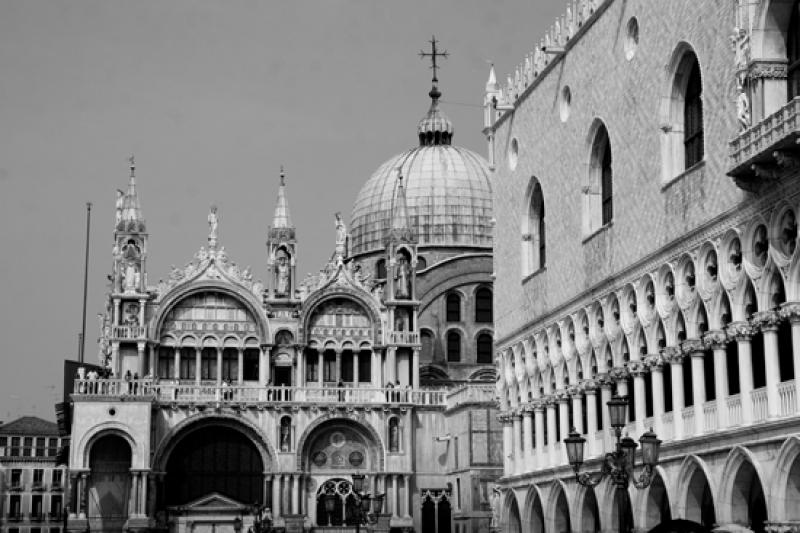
x,y
82,346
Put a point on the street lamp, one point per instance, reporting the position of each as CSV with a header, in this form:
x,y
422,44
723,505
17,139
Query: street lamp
x,y
618,464
363,502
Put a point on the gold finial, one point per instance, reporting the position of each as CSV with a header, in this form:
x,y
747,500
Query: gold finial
x,y
283,176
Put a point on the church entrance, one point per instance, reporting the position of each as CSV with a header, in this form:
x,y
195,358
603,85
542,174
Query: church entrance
x,y
109,484
336,504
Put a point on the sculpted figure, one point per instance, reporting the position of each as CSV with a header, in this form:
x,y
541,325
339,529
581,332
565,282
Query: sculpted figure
x,y
213,222
131,278
402,277
282,274
743,109
119,205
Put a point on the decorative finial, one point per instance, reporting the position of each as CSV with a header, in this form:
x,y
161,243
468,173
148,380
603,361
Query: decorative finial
x,y
433,54
400,174
132,162
213,223
283,176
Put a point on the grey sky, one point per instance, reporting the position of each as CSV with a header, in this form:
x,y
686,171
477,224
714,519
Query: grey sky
x,y
212,97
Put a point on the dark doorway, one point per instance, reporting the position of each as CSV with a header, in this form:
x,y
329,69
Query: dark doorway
x,y
680,526
215,459
283,376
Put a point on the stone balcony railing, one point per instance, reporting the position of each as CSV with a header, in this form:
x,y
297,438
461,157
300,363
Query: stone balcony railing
x,y
404,337
129,332
191,392
472,393
760,152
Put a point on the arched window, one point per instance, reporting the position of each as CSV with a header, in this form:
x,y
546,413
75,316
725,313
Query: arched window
x,y
793,53
426,339
484,348
598,195
682,114
453,307
693,118
453,346
422,263
380,269
483,305
533,233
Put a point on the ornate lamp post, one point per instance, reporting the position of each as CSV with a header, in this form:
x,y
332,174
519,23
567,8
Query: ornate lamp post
x,y
363,501
618,464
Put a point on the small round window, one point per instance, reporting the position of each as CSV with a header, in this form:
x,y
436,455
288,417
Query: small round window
x,y
565,103
513,154
632,39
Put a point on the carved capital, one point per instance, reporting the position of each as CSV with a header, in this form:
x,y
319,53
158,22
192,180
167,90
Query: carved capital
x,y
574,391
618,373
637,368
692,346
715,339
791,312
654,361
505,418
590,386
539,405
767,320
741,331
673,354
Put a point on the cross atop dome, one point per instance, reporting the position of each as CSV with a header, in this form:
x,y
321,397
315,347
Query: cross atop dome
x,y
433,54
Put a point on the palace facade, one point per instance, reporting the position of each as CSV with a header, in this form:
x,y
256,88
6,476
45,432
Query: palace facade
x,y
646,196
231,399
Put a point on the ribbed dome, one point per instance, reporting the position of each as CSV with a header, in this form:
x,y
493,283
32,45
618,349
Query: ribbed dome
x,y
448,194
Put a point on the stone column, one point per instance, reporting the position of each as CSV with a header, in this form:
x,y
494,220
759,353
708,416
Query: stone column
x,y
415,368
391,364
519,460
320,364
538,417
674,355
356,357
140,346
696,350
240,365
590,389
768,321
83,490
338,376
791,312
406,495
219,366
638,370
394,495
656,364
576,395
508,436
563,428
527,439
276,495
605,397
153,366
295,493
376,376
716,340
743,332
176,372
552,449
198,362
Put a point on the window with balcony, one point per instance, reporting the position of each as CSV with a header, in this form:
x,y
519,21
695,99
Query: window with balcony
x,y
365,366
15,507
453,306
250,364
453,346
36,508
483,305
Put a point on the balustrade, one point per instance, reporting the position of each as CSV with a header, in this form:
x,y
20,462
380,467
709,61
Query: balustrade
x,y
404,337
735,409
472,393
759,398
687,413
787,393
129,332
710,421
194,392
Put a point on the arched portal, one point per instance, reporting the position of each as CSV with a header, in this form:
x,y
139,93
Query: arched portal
x,y
748,506
214,459
514,524
535,518
561,520
110,483
657,510
622,514
590,512
699,503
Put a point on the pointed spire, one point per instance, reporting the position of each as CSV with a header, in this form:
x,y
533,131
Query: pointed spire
x,y
130,209
399,209
491,83
282,218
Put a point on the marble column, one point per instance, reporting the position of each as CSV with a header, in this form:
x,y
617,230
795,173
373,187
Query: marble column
x,y
638,370
239,365
656,364
391,364
338,377
176,372
276,495
552,446
295,493
590,389
605,397
83,494
576,396
320,366
415,368
743,332
696,350
716,340
538,418
356,357
519,461
219,366
153,363
527,439
394,495
406,495
508,436
140,366
198,364
768,322
674,355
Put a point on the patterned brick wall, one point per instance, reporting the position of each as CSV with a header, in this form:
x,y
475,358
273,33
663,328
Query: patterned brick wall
x,y
628,96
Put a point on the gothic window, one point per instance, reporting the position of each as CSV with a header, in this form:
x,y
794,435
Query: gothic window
x,y
693,118
533,232
453,346
483,305
484,348
598,194
793,53
453,307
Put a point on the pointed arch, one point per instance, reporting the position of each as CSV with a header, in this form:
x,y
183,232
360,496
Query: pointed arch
x,y
533,512
533,230
695,496
741,496
557,514
785,488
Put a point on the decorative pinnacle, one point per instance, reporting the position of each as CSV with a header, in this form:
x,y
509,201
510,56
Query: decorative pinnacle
x,y
283,176
132,162
433,54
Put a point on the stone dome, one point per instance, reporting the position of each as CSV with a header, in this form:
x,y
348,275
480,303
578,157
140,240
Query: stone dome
x,y
448,192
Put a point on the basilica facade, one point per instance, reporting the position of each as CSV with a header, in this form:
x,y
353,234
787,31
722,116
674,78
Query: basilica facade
x,y
228,403
646,195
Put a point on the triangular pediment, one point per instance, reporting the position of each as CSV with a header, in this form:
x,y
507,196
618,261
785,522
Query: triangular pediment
x,y
213,502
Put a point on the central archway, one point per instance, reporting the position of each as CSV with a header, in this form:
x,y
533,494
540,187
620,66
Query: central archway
x,y
214,459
